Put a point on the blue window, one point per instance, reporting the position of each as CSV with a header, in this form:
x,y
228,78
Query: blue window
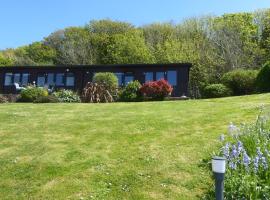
x,y
60,79
148,76
41,80
50,79
172,77
160,75
70,79
17,78
8,79
25,79
128,79
120,78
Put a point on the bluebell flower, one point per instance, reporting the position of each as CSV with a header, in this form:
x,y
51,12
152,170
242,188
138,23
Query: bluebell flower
x,y
226,150
256,164
232,165
264,163
234,152
246,159
239,147
259,153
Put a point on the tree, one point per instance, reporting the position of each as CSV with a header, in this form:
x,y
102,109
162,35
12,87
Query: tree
x,y
128,48
40,53
73,46
5,61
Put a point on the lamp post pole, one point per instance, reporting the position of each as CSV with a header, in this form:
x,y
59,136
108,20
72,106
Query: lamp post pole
x,y
218,168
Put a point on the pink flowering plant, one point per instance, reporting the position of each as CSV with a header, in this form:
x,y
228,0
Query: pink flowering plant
x,y
246,149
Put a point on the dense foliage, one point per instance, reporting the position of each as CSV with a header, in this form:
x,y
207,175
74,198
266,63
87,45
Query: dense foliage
x,y
107,79
32,93
240,81
156,90
131,92
67,96
216,91
247,152
263,79
214,45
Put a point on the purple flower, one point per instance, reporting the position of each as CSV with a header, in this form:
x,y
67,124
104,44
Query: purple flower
x,y
232,165
264,163
256,164
239,147
259,153
246,159
234,152
226,150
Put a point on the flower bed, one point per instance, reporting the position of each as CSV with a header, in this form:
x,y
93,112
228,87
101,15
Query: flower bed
x,y
247,152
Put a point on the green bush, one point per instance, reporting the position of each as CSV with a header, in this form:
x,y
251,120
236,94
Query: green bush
x,y
216,91
131,92
47,99
263,79
31,93
240,81
67,96
3,99
109,80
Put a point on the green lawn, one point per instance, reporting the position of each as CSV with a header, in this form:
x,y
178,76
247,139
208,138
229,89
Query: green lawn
x,y
149,150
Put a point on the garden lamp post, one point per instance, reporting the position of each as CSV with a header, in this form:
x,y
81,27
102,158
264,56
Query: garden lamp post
x,y
218,168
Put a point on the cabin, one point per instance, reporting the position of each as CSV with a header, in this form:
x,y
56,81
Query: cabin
x,y
75,77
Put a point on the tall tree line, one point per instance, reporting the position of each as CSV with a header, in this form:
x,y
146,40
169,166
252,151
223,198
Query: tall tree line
x,y
214,45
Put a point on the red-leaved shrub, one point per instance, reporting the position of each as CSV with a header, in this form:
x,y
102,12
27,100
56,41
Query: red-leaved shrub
x,y
156,89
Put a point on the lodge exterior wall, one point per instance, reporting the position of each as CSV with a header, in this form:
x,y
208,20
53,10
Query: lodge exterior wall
x,y
84,74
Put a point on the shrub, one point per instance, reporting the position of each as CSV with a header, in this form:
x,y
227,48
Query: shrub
x,y
263,79
240,81
248,160
67,96
156,89
216,91
131,92
109,80
3,99
31,93
96,93
47,99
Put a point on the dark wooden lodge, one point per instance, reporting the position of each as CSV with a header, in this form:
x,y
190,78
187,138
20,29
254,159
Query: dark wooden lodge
x,y
75,77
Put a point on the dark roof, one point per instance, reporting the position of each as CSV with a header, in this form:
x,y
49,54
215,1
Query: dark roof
x,y
94,66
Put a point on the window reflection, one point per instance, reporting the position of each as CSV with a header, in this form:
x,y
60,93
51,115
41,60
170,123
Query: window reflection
x,y
172,77
8,79
60,79
160,75
70,79
149,76
25,79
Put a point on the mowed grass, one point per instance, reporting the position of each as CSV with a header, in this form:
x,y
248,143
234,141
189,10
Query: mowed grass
x,y
149,150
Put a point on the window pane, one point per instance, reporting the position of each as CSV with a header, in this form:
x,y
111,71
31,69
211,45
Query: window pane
x,y
172,77
128,79
159,75
41,80
70,79
25,79
8,79
17,78
50,79
149,76
120,78
60,79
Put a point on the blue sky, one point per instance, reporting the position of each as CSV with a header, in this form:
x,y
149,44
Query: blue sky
x,y
25,21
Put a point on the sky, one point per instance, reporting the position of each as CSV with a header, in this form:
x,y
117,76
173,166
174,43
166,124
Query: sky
x,y
25,21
